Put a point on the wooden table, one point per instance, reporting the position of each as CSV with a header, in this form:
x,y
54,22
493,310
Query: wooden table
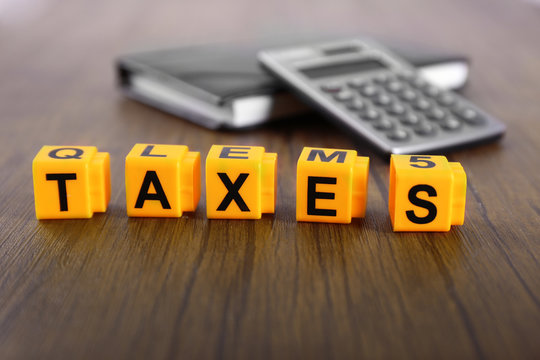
x,y
112,287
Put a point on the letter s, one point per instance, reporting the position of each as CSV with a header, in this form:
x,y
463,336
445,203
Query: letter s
x,y
428,205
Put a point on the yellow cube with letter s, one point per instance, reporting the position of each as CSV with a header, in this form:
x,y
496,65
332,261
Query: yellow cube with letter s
x,y
427,193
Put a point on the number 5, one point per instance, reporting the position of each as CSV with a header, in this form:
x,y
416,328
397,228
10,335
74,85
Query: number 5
x,y
426,164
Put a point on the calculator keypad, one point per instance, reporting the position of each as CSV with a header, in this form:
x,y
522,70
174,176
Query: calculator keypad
x,y
381,97
403,106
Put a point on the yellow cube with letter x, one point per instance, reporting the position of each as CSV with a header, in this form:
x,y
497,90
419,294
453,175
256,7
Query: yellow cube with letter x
x,y
331,185
427,193
162,180
240,182
71,182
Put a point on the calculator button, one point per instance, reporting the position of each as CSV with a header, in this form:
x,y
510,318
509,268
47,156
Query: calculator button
x,y
425,129
432,91
471,116
370,115
383,124
446,99
398,135
382,99
357,83
436,114
450,123
394,86
408,95
410,118
422,104
331,87
418,82
356,104
406,75
368,90
381,78
396,109
343,96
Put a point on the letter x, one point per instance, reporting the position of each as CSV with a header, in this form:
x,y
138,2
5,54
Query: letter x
x,y
233,194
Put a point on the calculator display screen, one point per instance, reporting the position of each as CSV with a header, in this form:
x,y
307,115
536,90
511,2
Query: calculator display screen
x,y
342,68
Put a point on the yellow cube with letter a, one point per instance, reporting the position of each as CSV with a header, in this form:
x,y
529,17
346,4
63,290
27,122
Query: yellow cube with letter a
x,y
162,180
71,182
427,193
331,185
240,182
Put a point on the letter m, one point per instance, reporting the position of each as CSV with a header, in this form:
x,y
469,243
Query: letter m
x,y
322,156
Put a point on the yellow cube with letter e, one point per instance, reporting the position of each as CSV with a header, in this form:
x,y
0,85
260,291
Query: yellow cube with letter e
x,y
71,182
240,182
162,180
331,185
427,193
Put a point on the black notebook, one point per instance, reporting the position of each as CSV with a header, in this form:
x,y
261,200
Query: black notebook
x,y
223,86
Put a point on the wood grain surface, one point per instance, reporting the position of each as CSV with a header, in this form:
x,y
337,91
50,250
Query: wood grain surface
x,y
112,287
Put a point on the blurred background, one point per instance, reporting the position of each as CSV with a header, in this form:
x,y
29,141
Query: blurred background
x,y
49,41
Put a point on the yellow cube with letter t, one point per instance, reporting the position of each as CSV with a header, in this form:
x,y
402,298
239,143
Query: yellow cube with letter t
x,y
71,182
427,193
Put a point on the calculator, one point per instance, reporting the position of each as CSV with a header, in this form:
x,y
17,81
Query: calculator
x,y
379,96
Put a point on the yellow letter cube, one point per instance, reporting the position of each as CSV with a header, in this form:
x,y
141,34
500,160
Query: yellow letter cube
x,y
427,193
71,182
162,180
331,185
240,182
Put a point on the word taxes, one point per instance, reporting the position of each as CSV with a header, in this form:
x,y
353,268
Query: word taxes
x,y
427,193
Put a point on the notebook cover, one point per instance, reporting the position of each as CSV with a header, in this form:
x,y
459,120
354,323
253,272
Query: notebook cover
x,y
228,71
